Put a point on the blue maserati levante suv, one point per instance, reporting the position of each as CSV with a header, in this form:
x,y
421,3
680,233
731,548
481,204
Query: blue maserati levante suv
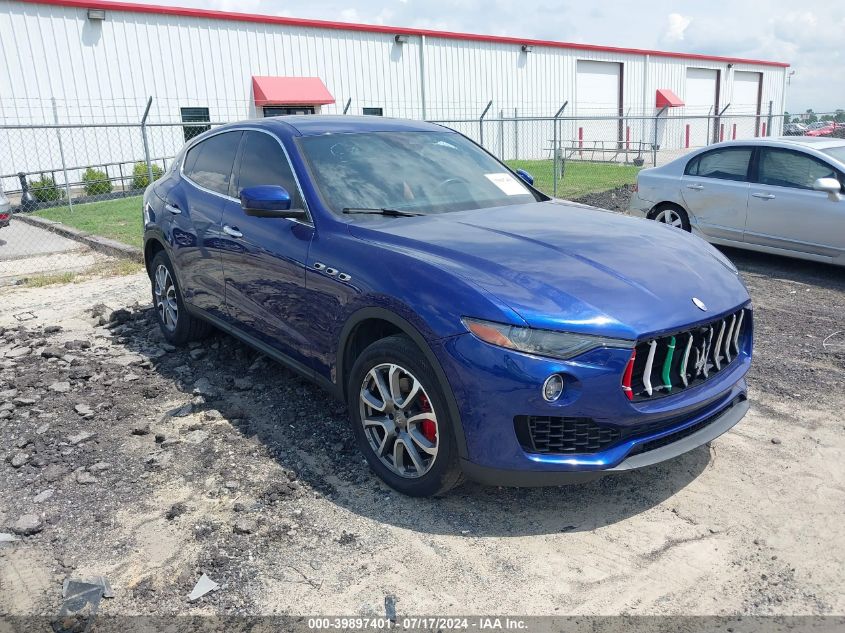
x,y
474,326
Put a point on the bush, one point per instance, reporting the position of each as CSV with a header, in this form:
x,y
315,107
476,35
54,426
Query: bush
x,y
140,177
45,189
96,182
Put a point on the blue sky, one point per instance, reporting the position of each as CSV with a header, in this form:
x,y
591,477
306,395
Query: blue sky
x,y
807,34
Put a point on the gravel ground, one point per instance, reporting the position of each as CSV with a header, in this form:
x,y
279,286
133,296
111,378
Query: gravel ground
x,y
126,458
613,199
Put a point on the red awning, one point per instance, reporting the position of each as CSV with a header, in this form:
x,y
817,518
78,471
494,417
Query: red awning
x,y
668,99
290,91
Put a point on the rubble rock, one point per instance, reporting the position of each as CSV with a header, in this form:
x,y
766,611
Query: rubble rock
x,y
19,459
80,437
43,496
84,410
85,478
28,524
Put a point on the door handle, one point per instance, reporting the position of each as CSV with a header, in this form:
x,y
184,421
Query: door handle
x,y
695,187
175,210
231,230
763,196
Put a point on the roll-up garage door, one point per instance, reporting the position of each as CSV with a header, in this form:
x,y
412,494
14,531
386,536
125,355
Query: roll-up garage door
x,y
700,99
598,92
746,101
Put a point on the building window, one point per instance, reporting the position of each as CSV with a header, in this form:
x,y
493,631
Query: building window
x,y
374,111
192,115
286,110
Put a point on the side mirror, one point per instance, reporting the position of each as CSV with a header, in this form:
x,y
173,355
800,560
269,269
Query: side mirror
x,y
525,176
268,201
831,186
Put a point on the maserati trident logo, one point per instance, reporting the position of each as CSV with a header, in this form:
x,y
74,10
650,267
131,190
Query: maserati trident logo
x,y
699,304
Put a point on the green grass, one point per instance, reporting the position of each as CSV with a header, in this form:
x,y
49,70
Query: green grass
x,y
118,219
580,177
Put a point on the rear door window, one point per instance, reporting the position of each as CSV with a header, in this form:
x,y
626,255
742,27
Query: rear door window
x,y
209,163
723,164
786,168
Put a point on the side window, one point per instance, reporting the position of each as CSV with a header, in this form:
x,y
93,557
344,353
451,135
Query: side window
x,y
209,164
724,164
263,162
783,168
692,167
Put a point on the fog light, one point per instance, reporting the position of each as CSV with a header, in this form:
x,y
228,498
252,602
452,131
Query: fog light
x,y
553,387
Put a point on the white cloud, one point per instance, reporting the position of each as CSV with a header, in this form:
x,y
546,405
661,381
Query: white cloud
x,y
677,24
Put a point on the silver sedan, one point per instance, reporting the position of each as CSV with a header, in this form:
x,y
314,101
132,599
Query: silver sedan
x,y
775,195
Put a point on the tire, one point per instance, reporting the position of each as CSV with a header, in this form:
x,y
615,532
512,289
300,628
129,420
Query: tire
x,y
181,328
418,417
671,214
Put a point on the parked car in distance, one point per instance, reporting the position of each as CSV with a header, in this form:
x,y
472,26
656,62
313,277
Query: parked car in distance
x,y
5,210
821,128
794,129
473,326
781,196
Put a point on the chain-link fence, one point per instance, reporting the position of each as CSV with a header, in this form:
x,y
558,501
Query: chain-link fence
x,y
574,156
65,180
63,184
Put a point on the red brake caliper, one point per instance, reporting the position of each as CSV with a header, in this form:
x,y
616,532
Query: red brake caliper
x,y
428,427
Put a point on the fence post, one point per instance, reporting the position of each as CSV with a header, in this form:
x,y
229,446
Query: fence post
x,y
654,143
769,125
501,135
717,123
481,124
61,154
555,152
515,134
146,143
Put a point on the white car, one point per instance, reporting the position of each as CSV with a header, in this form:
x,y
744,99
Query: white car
x,y
775,195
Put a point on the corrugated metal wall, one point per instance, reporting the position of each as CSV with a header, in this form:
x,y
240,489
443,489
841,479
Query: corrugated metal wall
x,y
104,71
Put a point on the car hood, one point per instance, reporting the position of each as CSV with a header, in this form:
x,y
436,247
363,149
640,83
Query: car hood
x,y
566,266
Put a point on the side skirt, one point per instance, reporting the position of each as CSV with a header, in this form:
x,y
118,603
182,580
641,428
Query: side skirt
x,y
267,350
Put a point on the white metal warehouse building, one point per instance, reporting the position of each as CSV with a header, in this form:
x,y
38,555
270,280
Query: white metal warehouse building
x,y
77,61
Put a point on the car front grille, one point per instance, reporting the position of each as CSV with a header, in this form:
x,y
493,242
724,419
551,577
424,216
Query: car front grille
x,y
556,435
674,362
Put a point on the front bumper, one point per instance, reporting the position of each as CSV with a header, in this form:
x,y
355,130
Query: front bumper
x,y
504,477
493,386
639,207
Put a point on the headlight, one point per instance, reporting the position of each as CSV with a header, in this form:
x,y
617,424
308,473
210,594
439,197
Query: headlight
x,y
561,345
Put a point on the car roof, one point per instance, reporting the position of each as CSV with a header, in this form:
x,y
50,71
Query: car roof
x,y
317,124
815,142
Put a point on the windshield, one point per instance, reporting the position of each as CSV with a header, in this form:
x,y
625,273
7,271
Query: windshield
x,y
424,172
836,152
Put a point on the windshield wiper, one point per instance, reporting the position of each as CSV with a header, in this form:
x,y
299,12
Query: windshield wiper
x,y
396,213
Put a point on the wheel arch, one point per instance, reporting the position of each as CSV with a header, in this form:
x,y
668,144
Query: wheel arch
x,y
152,247
371,324
666,204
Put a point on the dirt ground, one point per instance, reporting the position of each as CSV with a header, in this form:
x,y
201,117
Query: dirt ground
x,y
127,458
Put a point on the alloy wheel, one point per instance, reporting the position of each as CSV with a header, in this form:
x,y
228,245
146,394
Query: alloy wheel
x,y
670,217
399,420
165,298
